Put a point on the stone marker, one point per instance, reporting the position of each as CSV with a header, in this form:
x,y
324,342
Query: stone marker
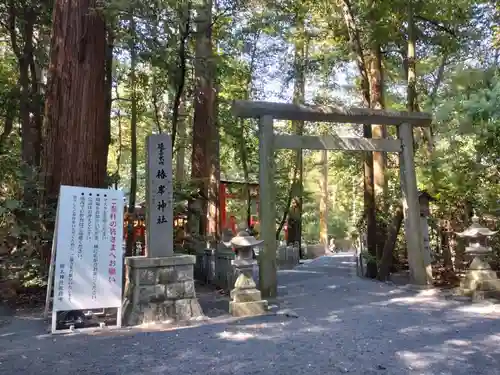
x,y
246,298
160,286
159,194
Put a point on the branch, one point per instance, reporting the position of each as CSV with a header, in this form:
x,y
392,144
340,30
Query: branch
x,y
439,78
437,25
11,26
121,99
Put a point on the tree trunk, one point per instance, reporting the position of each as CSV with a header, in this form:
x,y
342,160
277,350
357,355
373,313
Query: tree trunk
x,y
8,125
75,105
180,170
214,181
355,42
294,223
21,20
411,98
392,236
180,77
378,131
109,87
119,151
241,141
444,237
133,140
368,183
204,126
369,202
323,203
410,67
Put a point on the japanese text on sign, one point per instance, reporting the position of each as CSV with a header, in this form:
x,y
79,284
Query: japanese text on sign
x,y
97,218
161,175
90,215
72,247
81,225
104,229
161,153
112,251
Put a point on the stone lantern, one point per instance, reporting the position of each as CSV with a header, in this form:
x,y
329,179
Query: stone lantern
x,y
246,298
480,278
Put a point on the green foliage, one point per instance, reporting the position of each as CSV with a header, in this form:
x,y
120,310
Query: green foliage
x,y
21,233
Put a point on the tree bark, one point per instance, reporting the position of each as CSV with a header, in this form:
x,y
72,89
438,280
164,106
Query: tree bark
x,y
376,84
294,223
180,77
75,105
411,93
180,156
133,140
392,236
110,39
323,203
378,131
120,149
369,202
242,144
204,125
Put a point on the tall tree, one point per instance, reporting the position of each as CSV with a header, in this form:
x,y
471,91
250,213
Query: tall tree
x,y
133,134
24,22
75,107
294,224
204,168
368,181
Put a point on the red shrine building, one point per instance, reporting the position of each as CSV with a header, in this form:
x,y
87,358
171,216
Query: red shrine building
x,y
232,200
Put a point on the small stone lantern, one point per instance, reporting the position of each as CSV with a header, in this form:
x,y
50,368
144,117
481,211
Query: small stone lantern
x,y
246,298
480,278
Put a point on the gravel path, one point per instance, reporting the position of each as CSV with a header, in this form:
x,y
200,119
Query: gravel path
x,y
336,324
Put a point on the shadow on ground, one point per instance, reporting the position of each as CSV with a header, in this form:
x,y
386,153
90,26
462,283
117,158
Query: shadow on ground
x,y
344,325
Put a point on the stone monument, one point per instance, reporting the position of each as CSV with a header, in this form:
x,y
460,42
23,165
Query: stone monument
x,y
480,280
246,298
159,286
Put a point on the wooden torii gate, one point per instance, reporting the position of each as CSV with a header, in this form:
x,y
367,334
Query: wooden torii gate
x,y
267,112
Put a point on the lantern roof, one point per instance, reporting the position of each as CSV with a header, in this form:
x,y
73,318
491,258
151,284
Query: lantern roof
x,y
425,194
476,230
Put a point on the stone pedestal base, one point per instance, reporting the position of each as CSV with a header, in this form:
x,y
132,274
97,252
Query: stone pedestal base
x,y
480,280
246,298
160,290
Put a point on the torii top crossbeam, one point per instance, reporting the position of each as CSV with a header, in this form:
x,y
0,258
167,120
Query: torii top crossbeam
x,y
294,112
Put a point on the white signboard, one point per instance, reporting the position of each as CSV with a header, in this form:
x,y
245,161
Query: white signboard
x,y
88,249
